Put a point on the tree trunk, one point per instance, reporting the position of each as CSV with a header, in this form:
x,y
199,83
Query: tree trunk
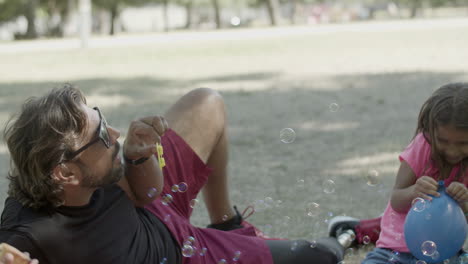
x,y
166,15
188,13
415,5
65,16
293,12
217,13
113,18
30,14
272,6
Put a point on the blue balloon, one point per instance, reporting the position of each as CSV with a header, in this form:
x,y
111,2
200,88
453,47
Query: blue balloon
x,y
435,231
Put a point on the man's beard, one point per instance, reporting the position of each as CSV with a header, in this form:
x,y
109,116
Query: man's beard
x,y
114,174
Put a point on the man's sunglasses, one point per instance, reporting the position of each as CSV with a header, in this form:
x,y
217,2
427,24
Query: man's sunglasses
x,y
101,134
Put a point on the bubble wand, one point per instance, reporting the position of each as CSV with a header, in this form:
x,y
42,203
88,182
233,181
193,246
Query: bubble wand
x,y
159,153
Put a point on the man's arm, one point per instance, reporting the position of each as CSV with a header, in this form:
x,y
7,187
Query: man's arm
x,y
143,182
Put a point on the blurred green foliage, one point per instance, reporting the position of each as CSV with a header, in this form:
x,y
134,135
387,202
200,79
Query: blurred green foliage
x,y
12,9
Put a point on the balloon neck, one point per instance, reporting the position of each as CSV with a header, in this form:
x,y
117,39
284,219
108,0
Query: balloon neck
x,y
441,186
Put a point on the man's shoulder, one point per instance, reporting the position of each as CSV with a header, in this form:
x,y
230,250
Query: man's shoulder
x,y
14,213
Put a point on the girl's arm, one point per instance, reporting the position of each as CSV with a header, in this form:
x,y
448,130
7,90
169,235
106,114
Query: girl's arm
x,y
464,207
407,188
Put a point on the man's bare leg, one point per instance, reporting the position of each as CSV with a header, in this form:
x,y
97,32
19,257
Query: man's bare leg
x,y
199,117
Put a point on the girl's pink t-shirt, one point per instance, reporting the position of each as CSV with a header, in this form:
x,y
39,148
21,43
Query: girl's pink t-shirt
x,y
418,156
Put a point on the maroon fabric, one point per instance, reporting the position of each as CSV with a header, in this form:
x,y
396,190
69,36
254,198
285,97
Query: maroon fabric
x,y
183,165
370,228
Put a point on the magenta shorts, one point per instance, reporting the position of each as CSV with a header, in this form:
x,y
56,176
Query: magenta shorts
x,y
210,246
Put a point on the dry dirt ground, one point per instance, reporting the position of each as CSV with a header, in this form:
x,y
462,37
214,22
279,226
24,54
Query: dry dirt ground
x,y
351,93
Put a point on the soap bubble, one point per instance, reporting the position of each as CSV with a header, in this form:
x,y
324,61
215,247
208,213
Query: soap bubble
x,y
183,187
428,216
189,241
395,257
313,209
193,203
300,183
152,192
334,107
237,255
373,178
349,252
287,135
166,199
294,246
428,248
329,186
313,244
366,240
187,251
167,218
418,204
203,251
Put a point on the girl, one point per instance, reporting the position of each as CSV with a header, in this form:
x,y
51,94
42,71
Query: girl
x,y
438,151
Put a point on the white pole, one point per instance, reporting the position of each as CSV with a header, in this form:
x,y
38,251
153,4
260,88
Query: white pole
x,y
85,22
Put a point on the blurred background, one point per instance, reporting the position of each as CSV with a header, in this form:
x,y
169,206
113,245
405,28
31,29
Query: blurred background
x,y
29,19
321,96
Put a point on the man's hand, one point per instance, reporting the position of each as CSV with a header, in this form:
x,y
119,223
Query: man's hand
x,y
426,186
11,255
458,192
142,136
10,259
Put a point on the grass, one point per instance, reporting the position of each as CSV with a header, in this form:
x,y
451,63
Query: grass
x,y
287,78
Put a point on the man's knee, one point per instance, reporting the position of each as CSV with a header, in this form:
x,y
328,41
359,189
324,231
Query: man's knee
x,y
201,107
206,96
209,108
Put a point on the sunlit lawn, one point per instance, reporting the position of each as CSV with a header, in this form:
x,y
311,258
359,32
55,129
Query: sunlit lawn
x,y
377,78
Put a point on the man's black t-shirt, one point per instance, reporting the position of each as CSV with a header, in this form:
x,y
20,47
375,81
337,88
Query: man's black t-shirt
x,y
110,229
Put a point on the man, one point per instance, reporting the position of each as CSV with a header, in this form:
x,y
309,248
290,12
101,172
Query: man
x,y
72,199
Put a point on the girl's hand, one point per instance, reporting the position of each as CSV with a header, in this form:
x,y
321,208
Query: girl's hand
x,y
458,191
424,187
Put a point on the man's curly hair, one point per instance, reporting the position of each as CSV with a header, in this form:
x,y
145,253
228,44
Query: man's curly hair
x,y
39,139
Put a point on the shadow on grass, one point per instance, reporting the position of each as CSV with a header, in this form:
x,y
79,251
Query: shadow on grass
x,y
373,119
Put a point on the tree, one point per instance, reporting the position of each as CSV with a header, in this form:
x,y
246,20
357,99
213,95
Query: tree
x,y
11,9
414,6
272,7
217,13
292,15
57,8
114,7
188,4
